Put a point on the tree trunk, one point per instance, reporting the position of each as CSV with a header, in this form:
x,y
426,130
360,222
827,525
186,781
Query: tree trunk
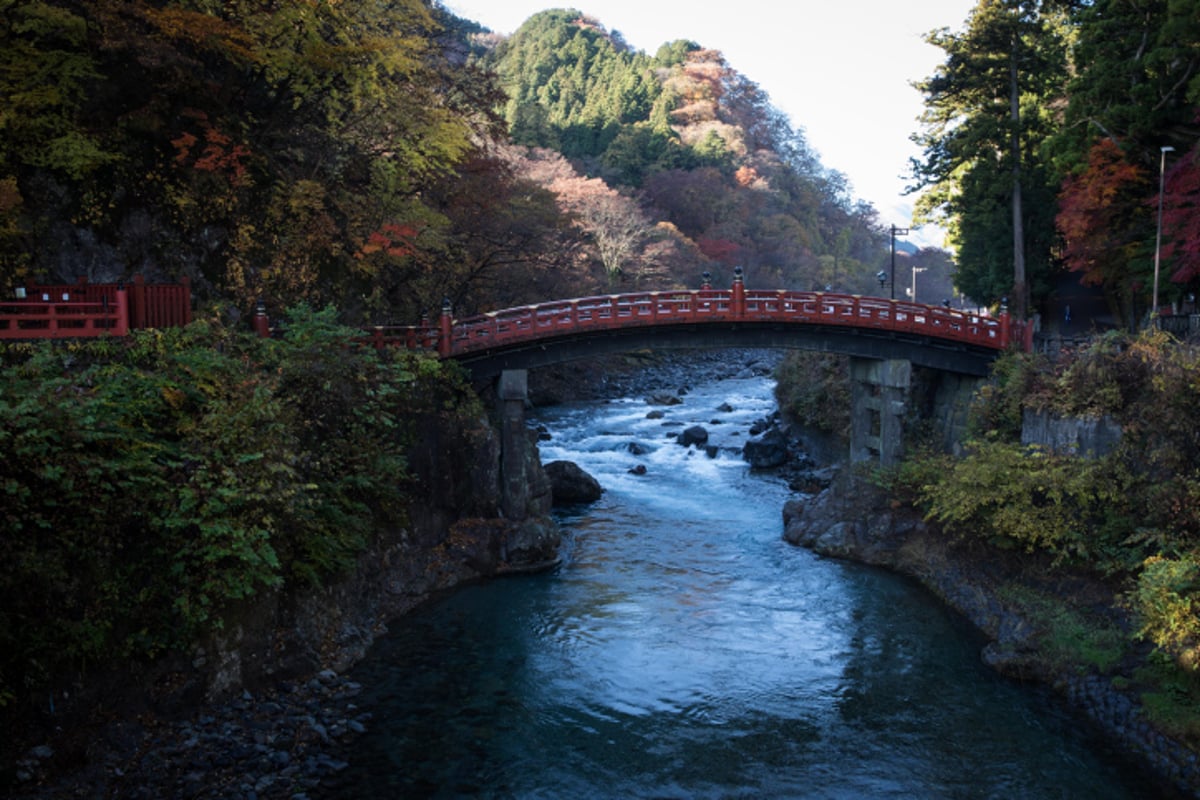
x,y
1020,290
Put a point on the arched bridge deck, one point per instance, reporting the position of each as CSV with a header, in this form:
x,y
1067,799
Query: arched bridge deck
x,y
547,333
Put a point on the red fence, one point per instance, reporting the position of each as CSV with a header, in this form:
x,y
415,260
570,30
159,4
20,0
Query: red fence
x,y
547,320
94,309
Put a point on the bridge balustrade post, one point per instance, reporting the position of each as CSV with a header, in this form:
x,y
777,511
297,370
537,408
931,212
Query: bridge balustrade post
x,y
260,323
739,294
121,328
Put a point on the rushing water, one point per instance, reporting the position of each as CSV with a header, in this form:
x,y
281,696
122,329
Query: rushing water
x,y
684,650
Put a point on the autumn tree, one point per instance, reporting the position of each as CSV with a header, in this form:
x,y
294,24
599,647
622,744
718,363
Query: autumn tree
x,y
1099,214
262,150
1135,90
1181,219
615,225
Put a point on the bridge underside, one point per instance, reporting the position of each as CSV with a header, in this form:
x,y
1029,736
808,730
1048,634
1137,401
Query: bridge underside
x,y
883,345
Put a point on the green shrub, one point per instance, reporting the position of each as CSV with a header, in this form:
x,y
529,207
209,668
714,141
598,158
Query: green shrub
x,y
814,390
1166,600
996,412
1024,496
1171,697
151,481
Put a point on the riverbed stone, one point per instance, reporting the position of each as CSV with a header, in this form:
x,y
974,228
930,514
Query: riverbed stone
x,y
694,435
664,399
571,484
767,451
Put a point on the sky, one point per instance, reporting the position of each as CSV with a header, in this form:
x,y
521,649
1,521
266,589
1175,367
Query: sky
x,y
841,70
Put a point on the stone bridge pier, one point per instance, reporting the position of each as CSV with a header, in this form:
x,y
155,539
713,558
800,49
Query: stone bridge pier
x,y
879,403
512,393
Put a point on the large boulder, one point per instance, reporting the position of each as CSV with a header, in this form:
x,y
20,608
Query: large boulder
x,y
570,484
695,435
768,451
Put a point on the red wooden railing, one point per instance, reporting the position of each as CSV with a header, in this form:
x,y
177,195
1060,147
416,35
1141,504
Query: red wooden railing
x,y
39,319
451,338
94,309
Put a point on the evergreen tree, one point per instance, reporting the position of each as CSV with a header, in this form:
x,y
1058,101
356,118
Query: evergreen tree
x,y
985,119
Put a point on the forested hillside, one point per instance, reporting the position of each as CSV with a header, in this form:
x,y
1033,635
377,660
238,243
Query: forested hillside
x,y
380,157
717,175
359,155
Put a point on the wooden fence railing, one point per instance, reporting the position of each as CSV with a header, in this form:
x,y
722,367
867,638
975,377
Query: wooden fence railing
x,y
94,309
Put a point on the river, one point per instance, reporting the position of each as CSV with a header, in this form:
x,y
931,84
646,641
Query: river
x,y
684,650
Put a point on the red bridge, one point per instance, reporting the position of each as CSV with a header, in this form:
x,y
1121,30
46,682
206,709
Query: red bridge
x,y
546,333
563,330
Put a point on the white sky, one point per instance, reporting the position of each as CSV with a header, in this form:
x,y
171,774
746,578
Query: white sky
x,y
840,69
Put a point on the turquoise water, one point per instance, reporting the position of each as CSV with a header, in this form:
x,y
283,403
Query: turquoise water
x,y
683,650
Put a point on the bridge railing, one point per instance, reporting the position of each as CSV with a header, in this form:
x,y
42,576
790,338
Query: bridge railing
x,y
38,319
453,337
85,309
587,314
872,312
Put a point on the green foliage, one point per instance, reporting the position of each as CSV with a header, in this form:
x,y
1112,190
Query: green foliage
x,y
585,85
1166,600
983,126
814,389
1025,497
1069,637
151,482
997,410
1170,696
45,75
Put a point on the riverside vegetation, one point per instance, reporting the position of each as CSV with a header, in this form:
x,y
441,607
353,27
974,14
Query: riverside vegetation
x,y
1127,520
150,483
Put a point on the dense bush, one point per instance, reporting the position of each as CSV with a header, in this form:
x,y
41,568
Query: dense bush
x,y
814,389
1025,497
148,482
1133,515
996,412
1167,601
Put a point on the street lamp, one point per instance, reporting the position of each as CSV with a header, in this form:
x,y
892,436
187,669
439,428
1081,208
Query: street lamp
x,y
913,292
1162,169
901,232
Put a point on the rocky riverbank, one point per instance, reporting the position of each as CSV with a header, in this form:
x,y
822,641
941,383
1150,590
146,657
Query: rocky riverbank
x,y
280,743
854,520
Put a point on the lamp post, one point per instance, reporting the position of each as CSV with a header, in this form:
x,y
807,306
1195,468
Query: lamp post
x,y
913,292
901,232
1162,169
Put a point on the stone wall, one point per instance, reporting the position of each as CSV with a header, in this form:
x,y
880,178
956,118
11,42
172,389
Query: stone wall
x,y
940,402
1080,436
